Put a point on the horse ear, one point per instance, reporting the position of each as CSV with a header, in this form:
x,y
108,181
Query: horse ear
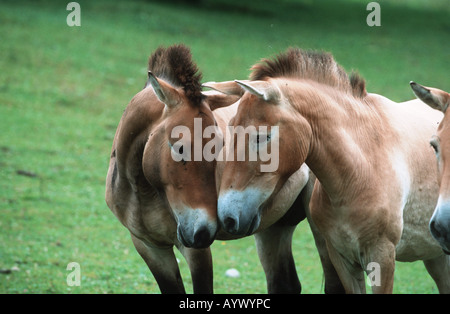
x,y
226,87
433,97
164,91
218,100
262,89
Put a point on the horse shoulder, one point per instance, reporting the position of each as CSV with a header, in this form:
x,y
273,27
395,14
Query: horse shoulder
x,y
129,196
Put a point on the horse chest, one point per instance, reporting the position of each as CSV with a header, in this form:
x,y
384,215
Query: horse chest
x,y
345,239
151,221
416,242
337,225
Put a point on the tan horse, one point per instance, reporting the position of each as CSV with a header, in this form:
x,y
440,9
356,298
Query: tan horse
x,y
440,222
165,197
376,187
276,219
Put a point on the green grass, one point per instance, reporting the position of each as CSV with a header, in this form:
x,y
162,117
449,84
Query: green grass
x,y
63,90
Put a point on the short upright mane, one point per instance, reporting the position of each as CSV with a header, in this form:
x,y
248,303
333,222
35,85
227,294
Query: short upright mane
x,y
174,64
314,65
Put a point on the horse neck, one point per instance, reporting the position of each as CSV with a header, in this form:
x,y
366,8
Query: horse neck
x,y
349,139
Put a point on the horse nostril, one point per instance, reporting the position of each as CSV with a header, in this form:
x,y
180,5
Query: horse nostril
x,y
230,224
434,231
202,238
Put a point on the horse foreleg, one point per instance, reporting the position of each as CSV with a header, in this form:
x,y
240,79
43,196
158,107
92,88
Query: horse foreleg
x,y
333,284
163,265
351,274
380,261
274,246
439,270
201,268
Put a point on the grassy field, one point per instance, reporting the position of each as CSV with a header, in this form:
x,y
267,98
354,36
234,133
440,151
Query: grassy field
x,y
63,90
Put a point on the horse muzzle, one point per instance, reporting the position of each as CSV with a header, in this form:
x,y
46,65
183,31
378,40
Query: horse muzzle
x,y
440,226
196,230
238,211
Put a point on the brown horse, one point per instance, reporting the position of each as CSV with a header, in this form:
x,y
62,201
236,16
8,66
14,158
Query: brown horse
x,y
376,187
273,234
440,222
166,196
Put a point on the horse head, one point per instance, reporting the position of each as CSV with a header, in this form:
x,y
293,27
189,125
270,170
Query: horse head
x,y
440,221
170,162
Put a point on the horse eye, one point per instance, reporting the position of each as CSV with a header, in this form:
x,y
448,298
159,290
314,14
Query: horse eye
x,y
267,138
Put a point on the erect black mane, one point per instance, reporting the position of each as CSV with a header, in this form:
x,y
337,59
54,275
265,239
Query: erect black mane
x,y
175,65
